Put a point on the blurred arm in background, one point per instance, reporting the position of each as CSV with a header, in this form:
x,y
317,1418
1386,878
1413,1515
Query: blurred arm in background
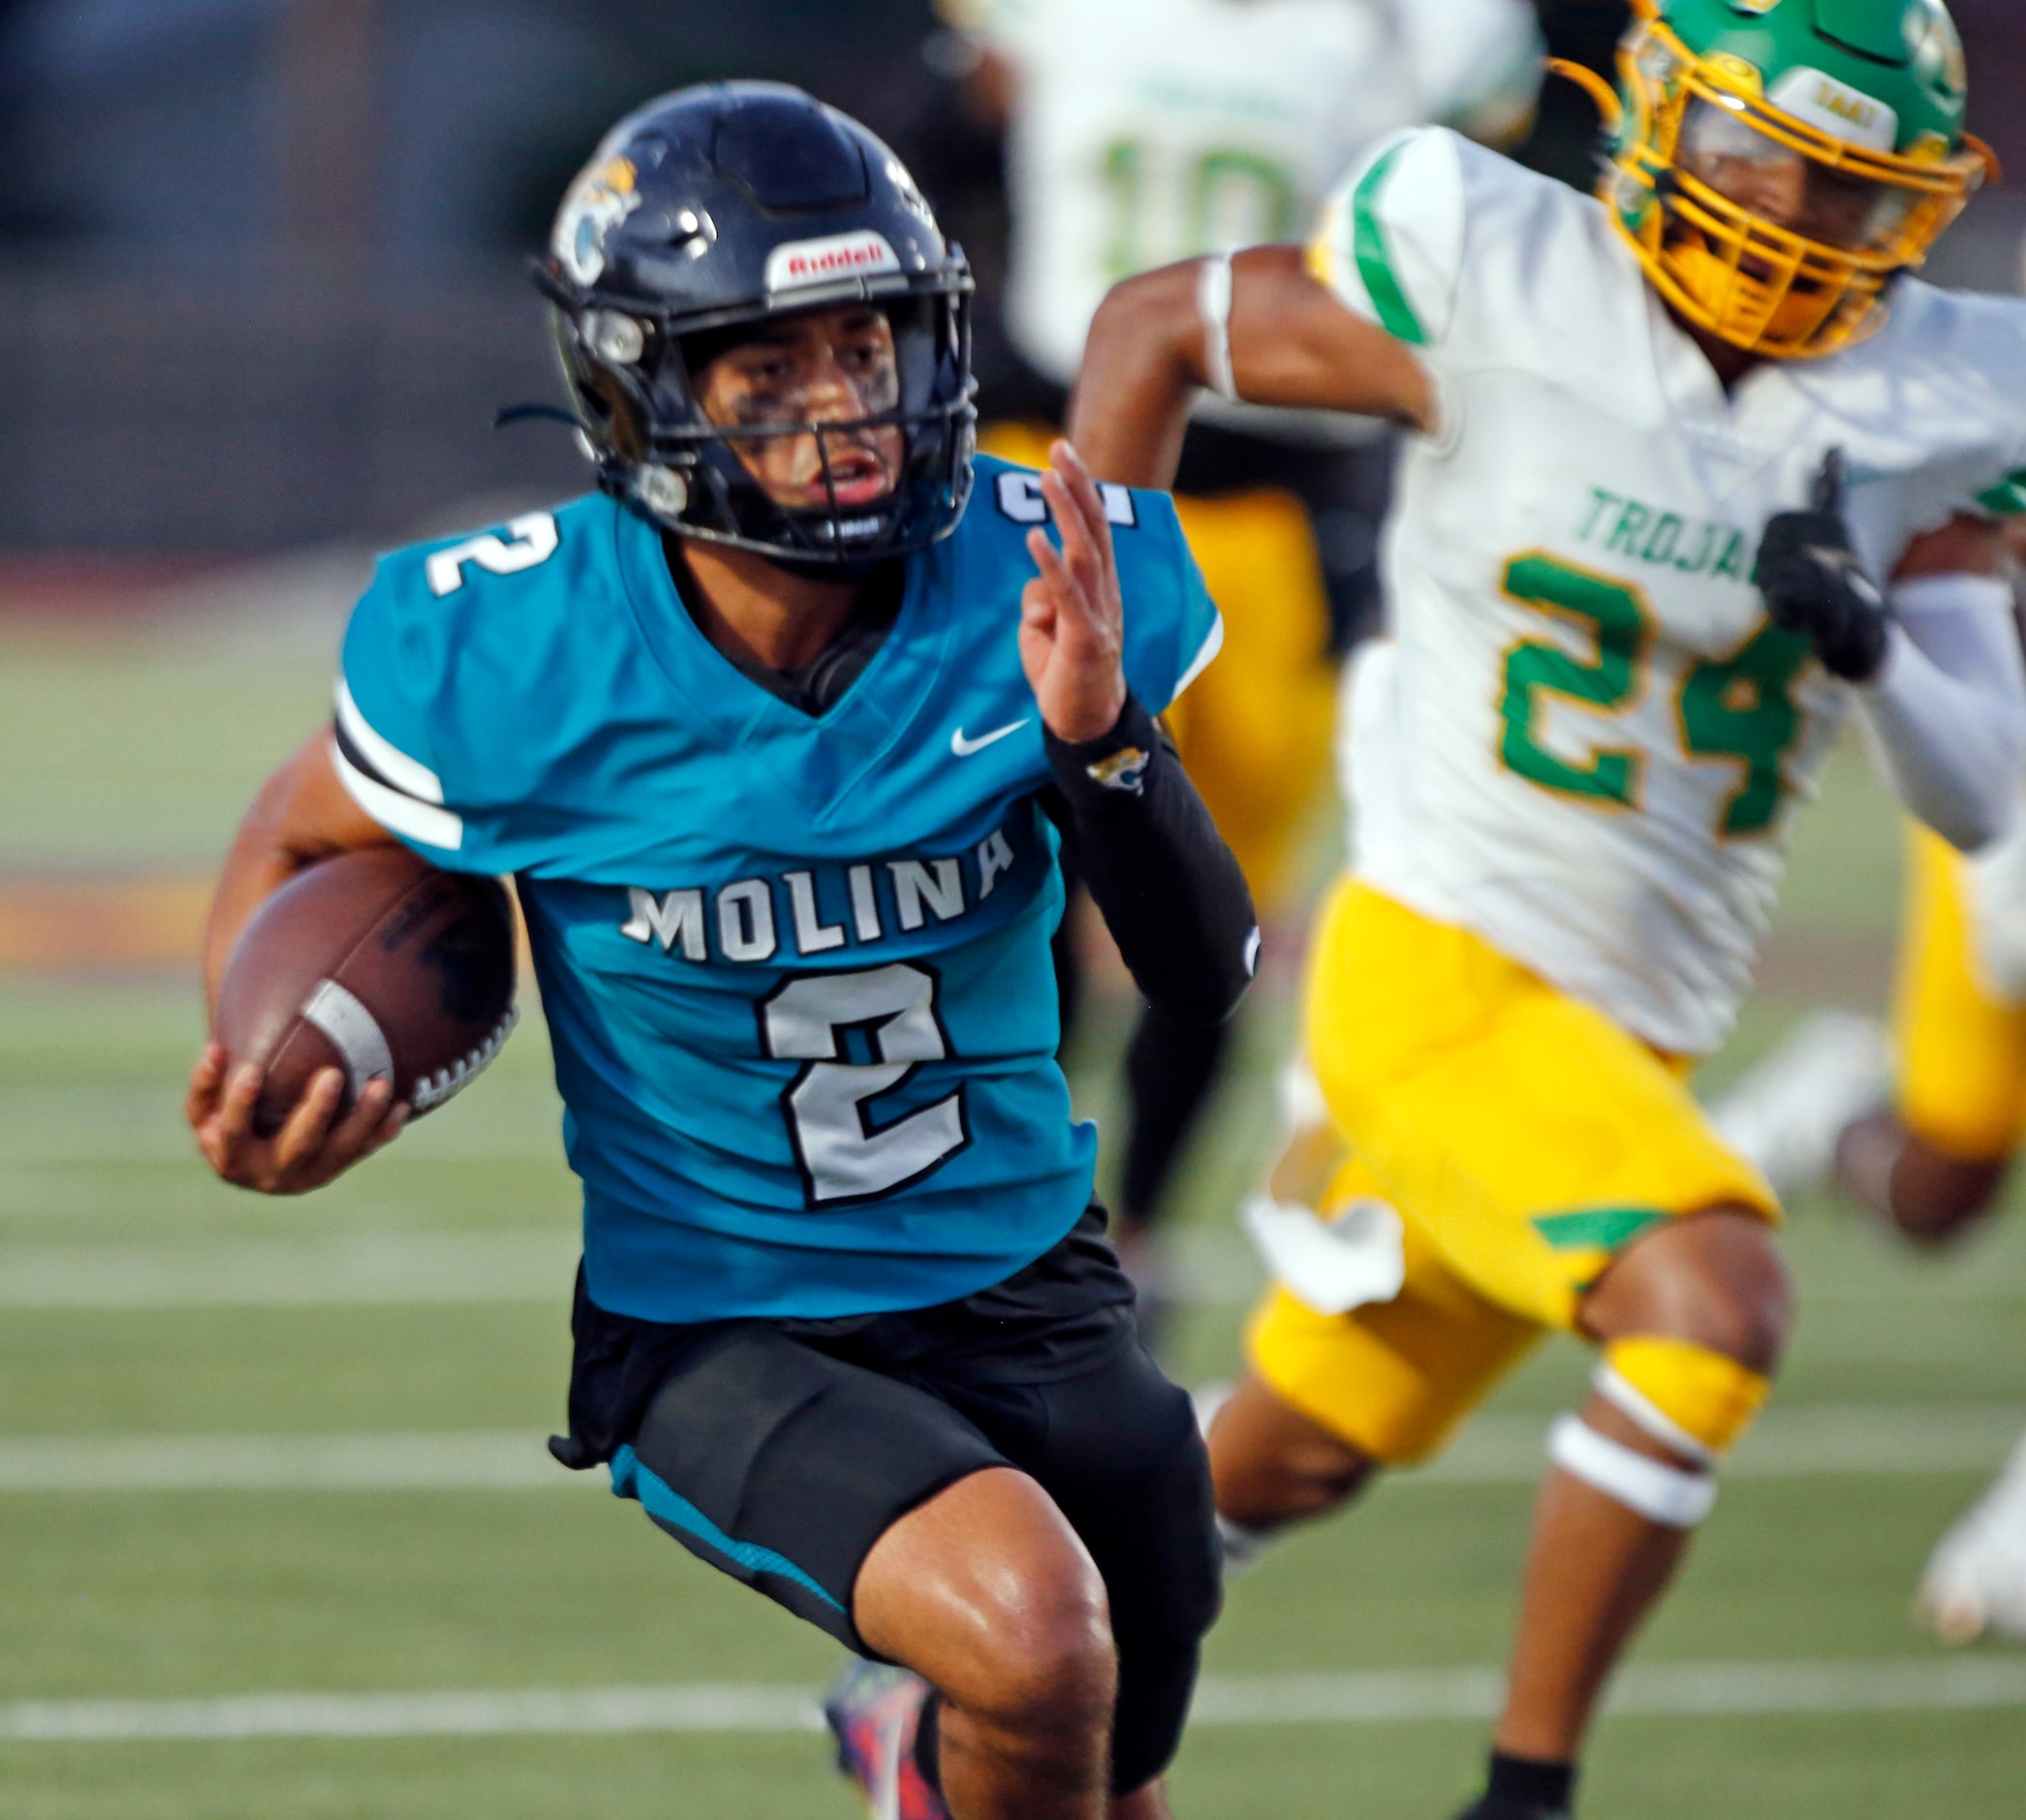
x,y
1292,343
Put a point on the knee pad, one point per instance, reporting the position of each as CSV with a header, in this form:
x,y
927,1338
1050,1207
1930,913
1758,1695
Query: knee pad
x,y
1687,1398
1695,1402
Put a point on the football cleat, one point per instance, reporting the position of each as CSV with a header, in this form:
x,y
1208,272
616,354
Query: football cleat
x,y
1976,1581
1787,1113
873,1712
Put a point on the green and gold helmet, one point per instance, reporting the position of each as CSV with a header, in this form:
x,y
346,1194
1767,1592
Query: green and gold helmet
x,y
1778,161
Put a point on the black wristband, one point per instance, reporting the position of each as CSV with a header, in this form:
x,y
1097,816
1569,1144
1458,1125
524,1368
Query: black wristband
x,y
1166,885
1113,764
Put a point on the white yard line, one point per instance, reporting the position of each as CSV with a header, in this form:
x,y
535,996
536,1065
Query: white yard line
x,y
1657,1690
1501,1448
346,1266
481,1461
515,1120
1209,1265
343,1269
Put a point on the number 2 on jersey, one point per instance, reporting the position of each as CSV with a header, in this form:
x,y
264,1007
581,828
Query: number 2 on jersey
x,y
842,1156
1739,707
533,541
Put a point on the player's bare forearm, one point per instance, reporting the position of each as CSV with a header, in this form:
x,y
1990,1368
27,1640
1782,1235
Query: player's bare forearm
x,y
1143,365
303,814
1293,344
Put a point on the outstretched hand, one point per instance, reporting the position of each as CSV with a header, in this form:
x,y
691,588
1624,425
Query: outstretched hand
x,y
1072,618
313,1146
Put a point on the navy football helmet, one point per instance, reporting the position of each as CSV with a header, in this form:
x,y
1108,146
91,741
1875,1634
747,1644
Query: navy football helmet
x,y
725,207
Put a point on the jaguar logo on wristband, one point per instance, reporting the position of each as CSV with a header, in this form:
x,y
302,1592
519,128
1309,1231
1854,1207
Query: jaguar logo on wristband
x,y
1125,769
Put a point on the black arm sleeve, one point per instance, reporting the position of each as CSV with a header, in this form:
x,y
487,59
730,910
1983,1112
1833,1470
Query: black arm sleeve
x,y
1158,870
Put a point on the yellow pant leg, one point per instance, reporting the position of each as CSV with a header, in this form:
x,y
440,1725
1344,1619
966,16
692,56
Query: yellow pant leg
x,y
1961,1081
1526,1136
1255,728
1524,1139
1392,1379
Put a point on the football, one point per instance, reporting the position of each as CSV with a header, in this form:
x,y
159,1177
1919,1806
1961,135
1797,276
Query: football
x,y
376,962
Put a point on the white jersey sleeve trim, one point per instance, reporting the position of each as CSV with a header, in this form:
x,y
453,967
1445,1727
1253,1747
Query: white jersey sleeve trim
x,y
1205,655
387,759
395,812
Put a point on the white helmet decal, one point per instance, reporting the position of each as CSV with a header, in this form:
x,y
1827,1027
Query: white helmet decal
x,y
797,264
1836,108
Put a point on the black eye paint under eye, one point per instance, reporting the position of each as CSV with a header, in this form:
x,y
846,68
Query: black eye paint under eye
x,y
754,407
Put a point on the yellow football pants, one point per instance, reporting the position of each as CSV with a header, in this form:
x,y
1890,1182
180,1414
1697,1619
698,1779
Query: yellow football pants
x,y
1961,1084
1525,1139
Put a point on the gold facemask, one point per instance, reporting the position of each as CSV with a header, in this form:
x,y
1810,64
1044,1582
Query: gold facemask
x,y
1758,226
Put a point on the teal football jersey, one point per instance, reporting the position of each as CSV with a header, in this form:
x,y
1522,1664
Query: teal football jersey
x,y
796,969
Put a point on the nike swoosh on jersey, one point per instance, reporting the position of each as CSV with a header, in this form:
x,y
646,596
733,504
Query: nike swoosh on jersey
x,y
963,748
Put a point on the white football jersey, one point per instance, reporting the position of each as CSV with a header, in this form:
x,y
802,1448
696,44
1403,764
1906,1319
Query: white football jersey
x,y
1584,740
1149,130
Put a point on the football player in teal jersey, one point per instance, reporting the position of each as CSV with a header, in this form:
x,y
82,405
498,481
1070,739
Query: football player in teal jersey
x,y
779,732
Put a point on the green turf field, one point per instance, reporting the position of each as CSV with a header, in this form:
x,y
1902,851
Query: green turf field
x,y
360,1507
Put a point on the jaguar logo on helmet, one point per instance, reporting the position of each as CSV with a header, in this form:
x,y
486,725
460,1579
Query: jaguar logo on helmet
x,y
598,203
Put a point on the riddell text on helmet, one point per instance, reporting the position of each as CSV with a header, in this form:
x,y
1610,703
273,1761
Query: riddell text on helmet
x,y
799,262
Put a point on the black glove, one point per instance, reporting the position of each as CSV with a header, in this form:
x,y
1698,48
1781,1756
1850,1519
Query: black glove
x,y
1814,585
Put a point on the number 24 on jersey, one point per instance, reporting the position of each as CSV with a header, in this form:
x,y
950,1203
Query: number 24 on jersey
x,y
1740,708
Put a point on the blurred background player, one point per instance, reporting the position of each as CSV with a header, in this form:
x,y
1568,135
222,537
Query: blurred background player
x,y
1140,132
1919,1127
1666,438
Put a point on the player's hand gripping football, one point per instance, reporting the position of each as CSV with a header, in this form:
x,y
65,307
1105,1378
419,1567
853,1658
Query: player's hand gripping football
x,y
313,1146
1071,619
1814,583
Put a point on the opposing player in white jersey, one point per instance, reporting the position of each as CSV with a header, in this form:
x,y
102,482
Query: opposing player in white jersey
x,y
1140,132
1697,473
1919,1127
1146,131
